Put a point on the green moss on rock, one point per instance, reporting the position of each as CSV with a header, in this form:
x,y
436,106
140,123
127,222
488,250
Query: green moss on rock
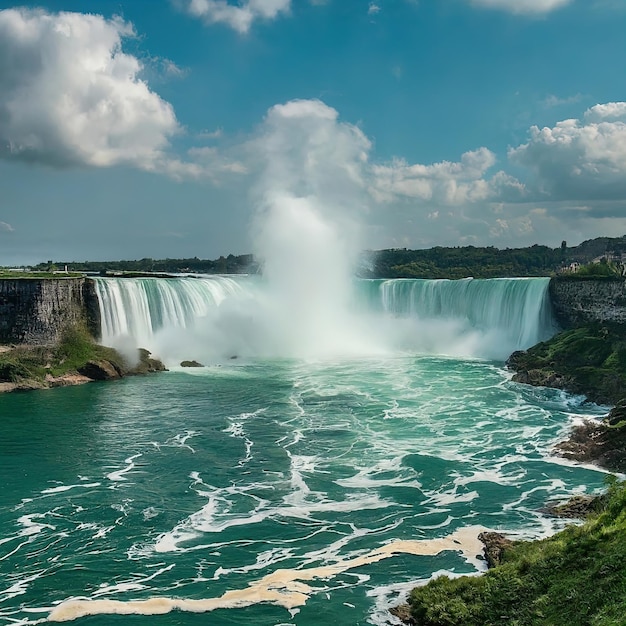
x,y
589,360
77,354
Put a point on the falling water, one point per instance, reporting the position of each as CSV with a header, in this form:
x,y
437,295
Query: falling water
x,y
218,317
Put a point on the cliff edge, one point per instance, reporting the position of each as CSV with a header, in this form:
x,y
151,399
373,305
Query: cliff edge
x,y
36,311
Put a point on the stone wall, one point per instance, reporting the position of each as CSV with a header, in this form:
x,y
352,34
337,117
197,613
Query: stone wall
x,y
37,311
577,302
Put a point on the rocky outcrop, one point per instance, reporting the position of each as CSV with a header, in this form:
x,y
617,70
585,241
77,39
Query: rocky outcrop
x,y
100,370
579,301
25,368
589,360
596,442
37,311
403,613
578,507
495,545
145,365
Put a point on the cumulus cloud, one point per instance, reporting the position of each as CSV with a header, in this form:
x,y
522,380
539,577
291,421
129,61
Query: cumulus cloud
x,y
444,183
608,111
528,7
579,159
305,155
69,95
572,180
238,16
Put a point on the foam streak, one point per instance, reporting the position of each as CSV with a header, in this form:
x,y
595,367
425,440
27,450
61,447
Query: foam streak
x,y
284,587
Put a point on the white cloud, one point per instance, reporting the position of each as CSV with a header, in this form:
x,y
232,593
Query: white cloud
x,y
445,183
238,16
69,95
170,69
7,228
579,159
373,8
555,101
608,111
206,163
528,7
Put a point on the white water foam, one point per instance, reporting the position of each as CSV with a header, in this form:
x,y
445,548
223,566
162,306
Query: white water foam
x,y
286,588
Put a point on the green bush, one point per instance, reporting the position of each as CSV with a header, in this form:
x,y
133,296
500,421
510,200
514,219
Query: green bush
x,y
13,371
575,578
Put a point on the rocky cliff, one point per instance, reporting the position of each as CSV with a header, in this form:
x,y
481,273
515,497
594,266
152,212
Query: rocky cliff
x,y
577,302
37,311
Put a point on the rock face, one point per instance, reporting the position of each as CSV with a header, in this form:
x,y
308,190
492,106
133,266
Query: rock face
x,y
495,545
100,370
578,507
599,443
579,302
37,311
589,360
191,364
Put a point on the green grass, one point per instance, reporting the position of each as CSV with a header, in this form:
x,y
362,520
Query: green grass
x,y
75,349
575,578
592,357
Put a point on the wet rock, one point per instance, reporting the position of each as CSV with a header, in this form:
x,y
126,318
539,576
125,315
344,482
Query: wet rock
x,y
617,416
596,442
495,545
577,507
147,364
543,378
66,380
191,364
403,613
100,370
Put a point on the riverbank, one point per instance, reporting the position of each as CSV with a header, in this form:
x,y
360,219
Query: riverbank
x,y
575,577
589,360
75,360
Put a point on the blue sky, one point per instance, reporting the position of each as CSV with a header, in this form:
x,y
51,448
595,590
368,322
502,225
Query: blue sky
x,y
163,129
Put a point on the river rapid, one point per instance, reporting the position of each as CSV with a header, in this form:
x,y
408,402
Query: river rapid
x,y
296,488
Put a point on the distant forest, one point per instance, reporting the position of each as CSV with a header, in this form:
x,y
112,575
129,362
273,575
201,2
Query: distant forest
x,y
439,262
231,264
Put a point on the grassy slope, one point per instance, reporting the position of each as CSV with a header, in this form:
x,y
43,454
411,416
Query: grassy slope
x,y
591,360
576,577
74,350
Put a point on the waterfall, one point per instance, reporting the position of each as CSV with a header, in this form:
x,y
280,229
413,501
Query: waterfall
x,y
519,307
138,308
213,318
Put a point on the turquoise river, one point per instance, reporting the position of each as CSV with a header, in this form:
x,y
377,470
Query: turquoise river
x,y
328,457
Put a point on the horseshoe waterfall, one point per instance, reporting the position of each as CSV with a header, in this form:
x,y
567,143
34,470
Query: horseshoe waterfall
x,y
340,444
